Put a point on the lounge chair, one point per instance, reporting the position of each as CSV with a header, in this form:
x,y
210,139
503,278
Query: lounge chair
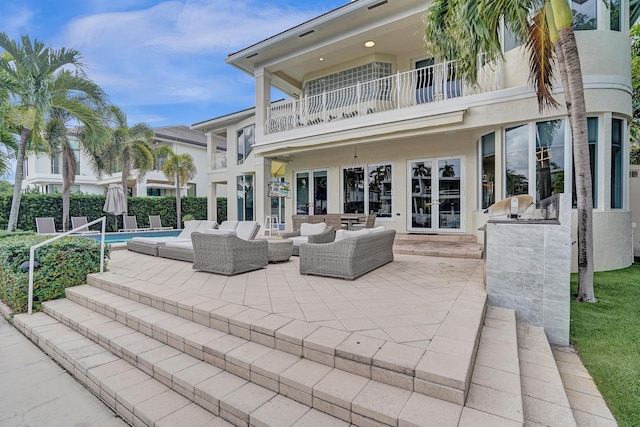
x,y
183,251
150,245
46,226
79,221
156,224
131,224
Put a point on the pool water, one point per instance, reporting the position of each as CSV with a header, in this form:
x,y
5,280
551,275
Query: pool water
x,y
123,237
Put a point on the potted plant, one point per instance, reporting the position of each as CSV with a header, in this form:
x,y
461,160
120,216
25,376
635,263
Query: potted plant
x,y
188,217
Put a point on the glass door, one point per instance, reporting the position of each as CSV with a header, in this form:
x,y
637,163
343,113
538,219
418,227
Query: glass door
x,y
436,194
311,193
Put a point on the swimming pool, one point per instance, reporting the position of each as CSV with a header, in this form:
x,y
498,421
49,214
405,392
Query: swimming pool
x,y
123,237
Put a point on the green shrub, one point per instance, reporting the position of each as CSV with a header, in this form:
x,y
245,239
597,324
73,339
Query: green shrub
x,y
65,262
34,206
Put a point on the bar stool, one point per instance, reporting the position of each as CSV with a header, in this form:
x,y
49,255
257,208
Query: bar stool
x,y
271,224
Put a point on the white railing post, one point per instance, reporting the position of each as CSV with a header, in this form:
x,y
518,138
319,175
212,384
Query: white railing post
x,y
398,90
32,251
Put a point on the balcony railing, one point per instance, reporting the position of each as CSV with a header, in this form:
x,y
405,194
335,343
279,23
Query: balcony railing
x,y
427,85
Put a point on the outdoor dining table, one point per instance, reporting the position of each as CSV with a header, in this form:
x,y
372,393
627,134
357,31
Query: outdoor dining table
x,y
350,219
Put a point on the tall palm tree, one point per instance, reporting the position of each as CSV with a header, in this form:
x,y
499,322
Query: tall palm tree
x,y
59,137
40,78
129,148
463,29
178,168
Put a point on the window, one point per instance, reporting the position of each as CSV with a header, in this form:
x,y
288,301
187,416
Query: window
x,y
56,163
349,77
219,153
57,189
615,16
616,163
549,158
488,168
584,14
517,160
509,39
245,198
380,190
592,124
191,189
245,142
353,194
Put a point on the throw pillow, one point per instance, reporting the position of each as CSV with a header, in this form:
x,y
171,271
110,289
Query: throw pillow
x,y
307,229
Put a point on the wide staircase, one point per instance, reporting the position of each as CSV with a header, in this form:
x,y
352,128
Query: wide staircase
x,y
162,357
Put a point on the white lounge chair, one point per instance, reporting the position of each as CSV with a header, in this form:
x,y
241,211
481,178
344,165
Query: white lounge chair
x,y
150,245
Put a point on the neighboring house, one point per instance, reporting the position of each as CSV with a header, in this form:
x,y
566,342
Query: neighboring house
x,y
374,125
44,172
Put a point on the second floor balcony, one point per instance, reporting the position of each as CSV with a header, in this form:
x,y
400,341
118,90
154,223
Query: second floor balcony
x,y
428,85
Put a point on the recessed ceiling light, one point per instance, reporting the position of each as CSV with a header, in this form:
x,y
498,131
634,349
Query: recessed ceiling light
x,y
369,43
321,59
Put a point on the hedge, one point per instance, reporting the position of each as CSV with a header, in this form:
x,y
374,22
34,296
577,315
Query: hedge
x,y
34,206
64,263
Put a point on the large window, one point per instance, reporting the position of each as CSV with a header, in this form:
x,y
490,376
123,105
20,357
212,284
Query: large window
x,y
380,190
592,124
517,160
353,190
585,15
617,135
219,153
56,160
549,158
488,168
615,15
245,198
245,142
546,143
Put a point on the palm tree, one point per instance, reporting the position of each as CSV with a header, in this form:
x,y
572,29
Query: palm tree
x,y
7,136
463,29
38,79
129,148
57,135
178,168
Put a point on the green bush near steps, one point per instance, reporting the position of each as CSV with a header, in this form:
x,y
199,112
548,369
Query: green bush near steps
x,y
64,263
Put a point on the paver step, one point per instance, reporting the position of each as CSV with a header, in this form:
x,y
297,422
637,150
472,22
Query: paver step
x,y
433,373
261,372
440,237
135,396
544,396
438,245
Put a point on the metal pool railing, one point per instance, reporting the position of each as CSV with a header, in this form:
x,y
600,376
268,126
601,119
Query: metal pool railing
x,y
33,248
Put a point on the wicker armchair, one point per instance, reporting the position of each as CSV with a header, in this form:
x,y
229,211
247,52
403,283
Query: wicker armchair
x,y
227,254
328,235
348,258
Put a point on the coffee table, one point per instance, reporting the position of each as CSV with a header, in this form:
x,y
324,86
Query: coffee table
x,y
279,250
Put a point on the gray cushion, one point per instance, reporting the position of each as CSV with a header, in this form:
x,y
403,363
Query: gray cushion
x,y
247,230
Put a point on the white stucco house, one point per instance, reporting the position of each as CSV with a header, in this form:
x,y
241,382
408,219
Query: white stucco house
x,y
372,124
44,172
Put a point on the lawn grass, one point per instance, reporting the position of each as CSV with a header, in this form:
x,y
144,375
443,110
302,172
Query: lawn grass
x,y
607,336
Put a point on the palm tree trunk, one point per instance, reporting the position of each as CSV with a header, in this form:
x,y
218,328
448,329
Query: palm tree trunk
x,y
178,204
17,186
582,164
66,187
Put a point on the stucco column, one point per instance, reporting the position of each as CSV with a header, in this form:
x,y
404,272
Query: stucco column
x,y
141,187
263,177
263,99
212,205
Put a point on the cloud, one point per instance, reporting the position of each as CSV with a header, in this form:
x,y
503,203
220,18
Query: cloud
x,y
173,51
16,19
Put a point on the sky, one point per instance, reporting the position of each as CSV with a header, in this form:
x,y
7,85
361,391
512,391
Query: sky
x,y
162,61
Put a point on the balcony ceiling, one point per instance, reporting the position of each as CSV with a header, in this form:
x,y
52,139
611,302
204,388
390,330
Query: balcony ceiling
x,y
338,37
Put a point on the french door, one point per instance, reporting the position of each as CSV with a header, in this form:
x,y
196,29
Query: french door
x,y
311,192
436,189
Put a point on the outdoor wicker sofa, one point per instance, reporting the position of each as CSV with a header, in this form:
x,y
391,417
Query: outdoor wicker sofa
x,y
150,245
348,258
227,254
310,233
183,250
